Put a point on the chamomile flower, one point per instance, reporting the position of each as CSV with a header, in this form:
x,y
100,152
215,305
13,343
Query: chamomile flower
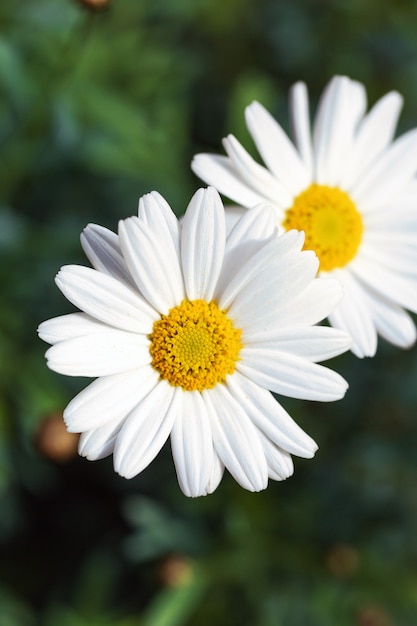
x,y
350,188
187,330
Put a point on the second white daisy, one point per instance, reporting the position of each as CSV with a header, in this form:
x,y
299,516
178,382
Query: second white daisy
x,y
187,330
350,188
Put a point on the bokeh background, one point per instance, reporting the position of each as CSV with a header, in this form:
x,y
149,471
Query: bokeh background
x,y
98,105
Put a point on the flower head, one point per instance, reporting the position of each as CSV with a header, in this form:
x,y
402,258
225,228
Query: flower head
x,y
350,188
187,330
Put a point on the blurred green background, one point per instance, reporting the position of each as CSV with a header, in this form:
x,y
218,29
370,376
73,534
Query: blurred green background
x,y
97,107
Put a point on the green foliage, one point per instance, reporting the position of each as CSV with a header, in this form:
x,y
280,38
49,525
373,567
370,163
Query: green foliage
x,y
97,108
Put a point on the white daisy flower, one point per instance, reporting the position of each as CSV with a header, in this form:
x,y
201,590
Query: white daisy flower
x,y
187,330
351,188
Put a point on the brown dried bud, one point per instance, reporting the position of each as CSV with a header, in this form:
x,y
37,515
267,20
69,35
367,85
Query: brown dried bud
x,y
54,441
94,5
342,560
175,570
373,616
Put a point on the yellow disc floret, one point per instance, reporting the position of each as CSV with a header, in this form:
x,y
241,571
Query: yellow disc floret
x,y
195,346
332,224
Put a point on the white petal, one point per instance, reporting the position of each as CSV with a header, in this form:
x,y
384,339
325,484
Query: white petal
x,y
394,168
300,124
203,238
258,224
69,326
270,417
316,343
109,397
255,175
277,151
406,197
102,249
374,134
351,116
353,315
311,306
236,440
342,104
273,251
101,354
396,254
248,236
322,128
106,299
392,323
220,172
217,471
291,376
232,214
153,263
98,443
281,282
146,430
280,465
155,211
400,289
192,445
394,218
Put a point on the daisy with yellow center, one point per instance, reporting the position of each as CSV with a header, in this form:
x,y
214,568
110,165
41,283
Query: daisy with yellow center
x,y
187,331
350,188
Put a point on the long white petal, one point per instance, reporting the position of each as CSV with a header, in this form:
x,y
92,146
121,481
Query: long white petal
x,y
400,289
273,251
102,249
392,322
109,397
342,105
396,254
101,354
153,263
392,170
203,239
281,282
69,326
246,239
256,175
277,151
155,211
354,112
280,465
106,299
217,471
311,306
291,376
98,443
300,125
192,444
256,225
374,134
232,214
393,219
270,417
314,343
220,172
146,430
352,314
322,127
236,440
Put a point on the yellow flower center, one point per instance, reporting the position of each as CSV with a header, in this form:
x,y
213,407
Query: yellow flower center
x,y
195,346
332,224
